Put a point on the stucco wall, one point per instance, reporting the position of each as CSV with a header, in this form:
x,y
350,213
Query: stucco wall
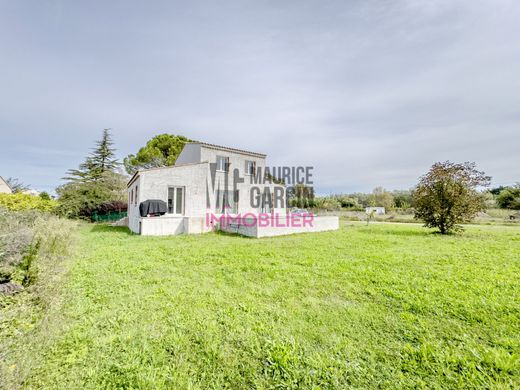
x,y
162,226
133,206
252,229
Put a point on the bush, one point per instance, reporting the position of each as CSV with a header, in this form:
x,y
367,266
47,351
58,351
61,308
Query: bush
x,y
26,236
348,202
328,203
448,195
509,198
23,202
82,199
116,206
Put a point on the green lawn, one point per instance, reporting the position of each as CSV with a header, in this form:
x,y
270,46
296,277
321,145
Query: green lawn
x,y
377,306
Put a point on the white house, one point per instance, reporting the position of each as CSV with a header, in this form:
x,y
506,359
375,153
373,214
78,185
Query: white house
x,y
206,183
4,187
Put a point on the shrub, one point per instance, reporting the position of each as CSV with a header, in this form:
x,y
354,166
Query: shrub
x,y
81,199
22,202
348,202
509,198
27,236
448,195
328,203
115,206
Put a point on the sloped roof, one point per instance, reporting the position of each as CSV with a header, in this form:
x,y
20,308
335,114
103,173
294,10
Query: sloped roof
x,y
226,148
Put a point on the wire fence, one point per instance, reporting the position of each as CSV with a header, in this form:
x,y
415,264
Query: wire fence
x,y
110,217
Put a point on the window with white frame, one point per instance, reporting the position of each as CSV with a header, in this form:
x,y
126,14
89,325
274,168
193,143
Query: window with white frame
x,y
250,167
176,200
222,163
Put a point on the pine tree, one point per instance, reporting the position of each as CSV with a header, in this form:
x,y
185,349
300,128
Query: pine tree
x,y
103,157
94,183
101,160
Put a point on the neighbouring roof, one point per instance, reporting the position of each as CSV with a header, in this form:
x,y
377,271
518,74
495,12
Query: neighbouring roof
x,y
219,147
6,183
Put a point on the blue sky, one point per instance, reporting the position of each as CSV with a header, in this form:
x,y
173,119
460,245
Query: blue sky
x,y
368,92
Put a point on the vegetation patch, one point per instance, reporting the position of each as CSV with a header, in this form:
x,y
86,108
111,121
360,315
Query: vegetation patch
x,y
24,202
365,307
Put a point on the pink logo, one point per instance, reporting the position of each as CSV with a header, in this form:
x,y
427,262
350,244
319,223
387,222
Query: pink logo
x,y
261,219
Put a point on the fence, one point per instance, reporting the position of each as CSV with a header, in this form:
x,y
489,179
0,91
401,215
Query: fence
x,y
110,217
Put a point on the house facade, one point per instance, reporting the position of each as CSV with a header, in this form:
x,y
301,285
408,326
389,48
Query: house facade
x,y
4,187
206,182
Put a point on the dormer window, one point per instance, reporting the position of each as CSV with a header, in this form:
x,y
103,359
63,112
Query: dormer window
x,y
222,164
250,167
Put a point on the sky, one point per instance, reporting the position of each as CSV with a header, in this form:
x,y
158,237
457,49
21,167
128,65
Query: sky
x,y
369,93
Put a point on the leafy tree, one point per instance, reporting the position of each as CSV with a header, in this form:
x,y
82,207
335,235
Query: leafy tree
x,y
381,197
403,199
101,160
44,195
349,202
497,190
329,203
162,150
79,199
16,185
448,195
509,197
300,195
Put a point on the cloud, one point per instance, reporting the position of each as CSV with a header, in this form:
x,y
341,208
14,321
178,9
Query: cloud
x,y
368,92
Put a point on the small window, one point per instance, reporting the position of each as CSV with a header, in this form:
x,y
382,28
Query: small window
x,y
250,167
176,200
136,192
132,196
222,163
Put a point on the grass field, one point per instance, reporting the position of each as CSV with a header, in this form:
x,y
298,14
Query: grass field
x,y
378,306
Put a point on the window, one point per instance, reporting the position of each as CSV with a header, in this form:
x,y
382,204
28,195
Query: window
x,y
176,200
250,167
132,196
136,189
227,202
222,163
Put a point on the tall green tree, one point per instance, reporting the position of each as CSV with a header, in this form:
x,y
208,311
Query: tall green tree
x,y
102,159
161,151
449,195
381,197
95,182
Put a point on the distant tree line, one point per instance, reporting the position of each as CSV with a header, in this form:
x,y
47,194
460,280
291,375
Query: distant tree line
x,y
504,197
303,197
507,197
